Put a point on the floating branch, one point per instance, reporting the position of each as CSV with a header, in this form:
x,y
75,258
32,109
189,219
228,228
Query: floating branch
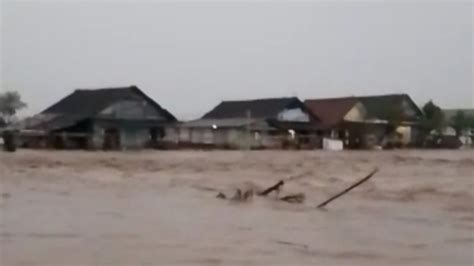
x,y
272,188
356,184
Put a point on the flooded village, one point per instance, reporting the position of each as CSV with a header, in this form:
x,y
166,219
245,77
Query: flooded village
x,y
257,180
236,133
126,118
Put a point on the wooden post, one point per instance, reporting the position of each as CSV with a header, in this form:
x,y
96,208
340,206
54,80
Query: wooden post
x,y
356,184
248,137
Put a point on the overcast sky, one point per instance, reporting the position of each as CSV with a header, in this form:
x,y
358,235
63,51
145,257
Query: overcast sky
x,y
190,56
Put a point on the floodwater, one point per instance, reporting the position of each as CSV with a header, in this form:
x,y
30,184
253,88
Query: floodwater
x,y
160,208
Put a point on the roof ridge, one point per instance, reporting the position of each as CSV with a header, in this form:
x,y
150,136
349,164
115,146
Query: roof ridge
x,y
106,88
260,99
383,95
332,98
358,96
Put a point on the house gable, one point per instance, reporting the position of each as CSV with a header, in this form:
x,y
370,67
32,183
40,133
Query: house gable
x,y
392,106
358,113
333,110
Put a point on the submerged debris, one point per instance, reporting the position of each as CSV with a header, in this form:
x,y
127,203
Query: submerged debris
x,y
294,198
221,196
239,196
247,195
356,184
275,187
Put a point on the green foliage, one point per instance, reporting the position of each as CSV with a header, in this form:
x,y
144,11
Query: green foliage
x,y
462,122
434,117
10,103
470,121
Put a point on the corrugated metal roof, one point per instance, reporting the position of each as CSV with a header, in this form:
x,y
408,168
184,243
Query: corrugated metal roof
x,y
90,102
258,108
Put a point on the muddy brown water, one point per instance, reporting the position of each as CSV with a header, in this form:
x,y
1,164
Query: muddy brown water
x,y
159,208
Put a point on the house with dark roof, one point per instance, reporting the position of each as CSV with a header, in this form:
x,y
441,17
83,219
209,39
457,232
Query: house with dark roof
x,y
398,108
368,120
259,123
109,118
335,111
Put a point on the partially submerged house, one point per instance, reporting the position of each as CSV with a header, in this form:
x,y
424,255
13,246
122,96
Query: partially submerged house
x,y
110,118
261,123
369,120
345,119
401,113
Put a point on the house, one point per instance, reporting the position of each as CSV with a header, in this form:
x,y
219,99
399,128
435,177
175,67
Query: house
x,y
401,113
260,123
369,120
346,119
109,118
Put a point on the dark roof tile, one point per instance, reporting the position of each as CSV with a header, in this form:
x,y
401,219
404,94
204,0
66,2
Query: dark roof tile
x,y
87,103
378,106
259,108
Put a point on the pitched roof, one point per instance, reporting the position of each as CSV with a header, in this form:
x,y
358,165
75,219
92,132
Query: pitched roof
x,y
331,111
259,108
86,103
383,106
378,106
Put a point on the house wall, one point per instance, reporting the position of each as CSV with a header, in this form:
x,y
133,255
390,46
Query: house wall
x,y
236,138
272,142
184,135
405,133
364,135
134,138
221,137
171,134
131,136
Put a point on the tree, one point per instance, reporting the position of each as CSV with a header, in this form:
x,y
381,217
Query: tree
x,y
470,122
433,117
10,103
459,122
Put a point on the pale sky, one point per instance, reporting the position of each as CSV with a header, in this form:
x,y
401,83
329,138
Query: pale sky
x,y
189,56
